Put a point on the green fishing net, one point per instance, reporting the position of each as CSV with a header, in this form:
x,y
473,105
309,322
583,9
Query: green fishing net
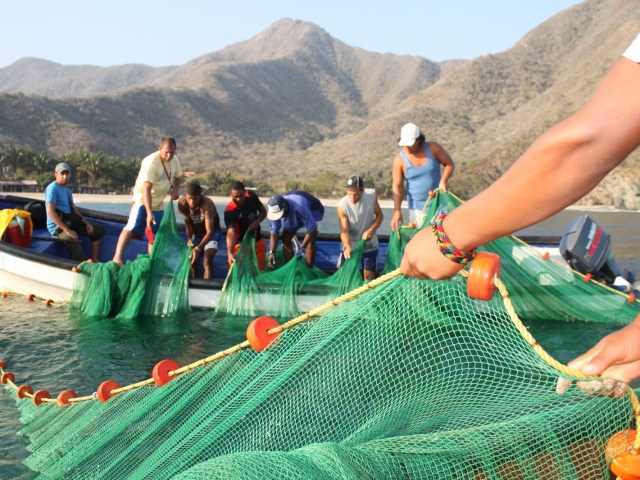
x,y
540,289
409,380
150,285
287,291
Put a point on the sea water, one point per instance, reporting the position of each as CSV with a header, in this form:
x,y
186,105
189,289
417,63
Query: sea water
x,y
48,348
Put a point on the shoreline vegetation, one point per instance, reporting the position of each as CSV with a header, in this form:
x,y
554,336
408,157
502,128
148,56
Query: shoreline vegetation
x,y
223,200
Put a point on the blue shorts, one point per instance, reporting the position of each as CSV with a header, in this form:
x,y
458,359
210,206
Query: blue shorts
x,y
369,261
215,241
137,223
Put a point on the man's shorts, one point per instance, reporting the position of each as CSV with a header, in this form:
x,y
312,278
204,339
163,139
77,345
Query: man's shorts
x,y
369,261
137,223
215,241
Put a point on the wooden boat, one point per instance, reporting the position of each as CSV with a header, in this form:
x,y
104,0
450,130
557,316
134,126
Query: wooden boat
x,y
43,268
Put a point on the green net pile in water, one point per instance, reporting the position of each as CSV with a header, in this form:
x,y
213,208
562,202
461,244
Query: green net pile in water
x,y
151,285
409,380
287,291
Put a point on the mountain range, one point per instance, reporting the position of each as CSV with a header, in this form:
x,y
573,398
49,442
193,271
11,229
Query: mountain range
x,y
294,103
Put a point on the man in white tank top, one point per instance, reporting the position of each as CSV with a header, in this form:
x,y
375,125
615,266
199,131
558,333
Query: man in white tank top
x,y
360,216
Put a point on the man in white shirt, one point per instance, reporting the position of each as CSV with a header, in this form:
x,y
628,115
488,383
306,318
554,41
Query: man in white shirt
x,y
159,174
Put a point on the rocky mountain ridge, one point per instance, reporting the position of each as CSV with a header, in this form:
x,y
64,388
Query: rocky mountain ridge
x,y
295,103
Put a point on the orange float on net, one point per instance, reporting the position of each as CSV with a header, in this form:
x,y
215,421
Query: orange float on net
x,y
24,390
104,390
39,396
31,297
7,377
412,225
587,278
546,256
161,371
619,443
631,298
64,396
3,364
257,332
432,194
4,294
49,302
483,270
625,464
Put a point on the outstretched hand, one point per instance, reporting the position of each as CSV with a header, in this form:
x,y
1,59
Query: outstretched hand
x,y
615,356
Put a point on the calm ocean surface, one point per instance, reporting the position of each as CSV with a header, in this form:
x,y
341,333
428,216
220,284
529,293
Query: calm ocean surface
x,y
51,349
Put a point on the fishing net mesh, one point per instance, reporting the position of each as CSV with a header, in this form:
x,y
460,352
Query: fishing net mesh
x,y
153,285
408,379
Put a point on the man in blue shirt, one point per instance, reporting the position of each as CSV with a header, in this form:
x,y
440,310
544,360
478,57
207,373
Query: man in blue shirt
x,y
289,213
65,221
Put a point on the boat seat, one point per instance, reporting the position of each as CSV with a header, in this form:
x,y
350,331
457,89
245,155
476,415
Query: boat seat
x,y
43,242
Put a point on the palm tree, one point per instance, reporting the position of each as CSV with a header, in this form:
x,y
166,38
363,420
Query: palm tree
x,y
11,159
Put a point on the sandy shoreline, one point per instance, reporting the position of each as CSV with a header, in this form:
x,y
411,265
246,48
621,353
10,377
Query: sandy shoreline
x,y
220,200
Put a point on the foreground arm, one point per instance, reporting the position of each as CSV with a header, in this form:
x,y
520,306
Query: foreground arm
x,y
560,167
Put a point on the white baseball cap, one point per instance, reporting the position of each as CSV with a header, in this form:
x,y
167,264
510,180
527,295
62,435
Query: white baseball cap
x,y
275,207
408,135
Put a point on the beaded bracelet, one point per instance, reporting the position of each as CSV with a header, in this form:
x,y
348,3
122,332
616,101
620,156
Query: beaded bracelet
x,y
446,247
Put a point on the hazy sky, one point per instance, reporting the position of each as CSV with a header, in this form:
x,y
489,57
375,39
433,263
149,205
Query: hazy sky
x,y
165,32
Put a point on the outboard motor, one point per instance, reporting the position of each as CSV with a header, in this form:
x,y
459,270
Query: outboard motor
x,y
587,249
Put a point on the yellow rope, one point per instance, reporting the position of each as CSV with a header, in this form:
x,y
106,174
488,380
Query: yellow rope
x,y
46,301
